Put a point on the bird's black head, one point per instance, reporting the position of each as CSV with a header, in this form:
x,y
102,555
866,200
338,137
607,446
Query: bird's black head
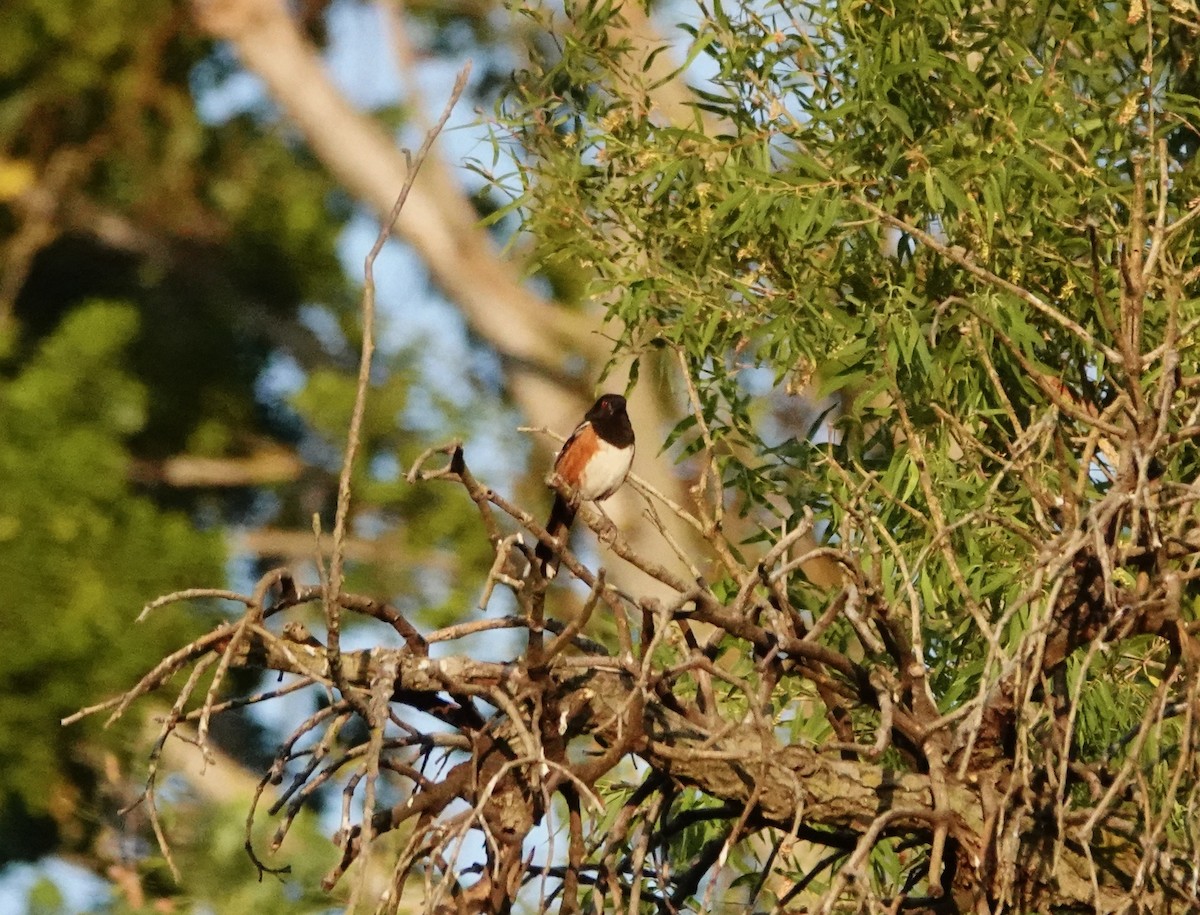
x,y
608,417
607,405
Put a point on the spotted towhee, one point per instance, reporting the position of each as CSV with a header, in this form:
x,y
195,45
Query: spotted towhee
x,y
593,463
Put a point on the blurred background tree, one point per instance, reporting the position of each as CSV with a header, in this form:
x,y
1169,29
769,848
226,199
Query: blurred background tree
x,y
175,331
178,336
155,268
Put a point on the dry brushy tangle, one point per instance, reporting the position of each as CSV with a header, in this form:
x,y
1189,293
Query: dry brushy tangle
x,y
566,714
986,803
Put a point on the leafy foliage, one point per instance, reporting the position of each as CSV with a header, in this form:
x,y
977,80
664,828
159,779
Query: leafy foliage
x,y
81,553
973,233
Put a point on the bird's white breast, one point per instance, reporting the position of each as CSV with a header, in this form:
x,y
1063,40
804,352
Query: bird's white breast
x,y
605,471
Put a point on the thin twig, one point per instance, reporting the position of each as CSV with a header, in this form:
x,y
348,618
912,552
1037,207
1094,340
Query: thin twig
x,y
353,436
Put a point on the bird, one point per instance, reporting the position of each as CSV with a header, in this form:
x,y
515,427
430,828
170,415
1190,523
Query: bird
x,y
593,463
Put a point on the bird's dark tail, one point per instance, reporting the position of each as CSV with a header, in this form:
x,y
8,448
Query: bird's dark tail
x,y
561,516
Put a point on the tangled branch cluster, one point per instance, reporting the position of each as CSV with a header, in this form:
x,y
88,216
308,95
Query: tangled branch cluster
x,y
519,752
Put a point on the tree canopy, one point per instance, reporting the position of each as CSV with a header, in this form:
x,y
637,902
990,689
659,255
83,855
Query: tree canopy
x,y
149,261
913,284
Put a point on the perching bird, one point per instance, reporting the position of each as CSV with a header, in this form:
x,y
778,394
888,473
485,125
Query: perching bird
x,y
593,463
